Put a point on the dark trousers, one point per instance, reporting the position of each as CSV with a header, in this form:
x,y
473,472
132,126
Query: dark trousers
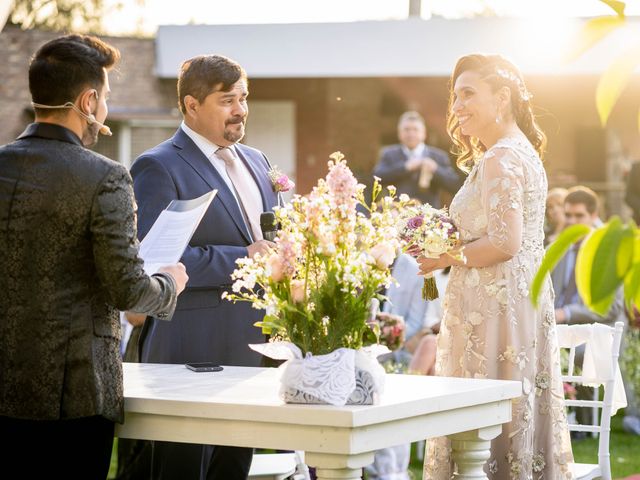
x,y
72,449
186,461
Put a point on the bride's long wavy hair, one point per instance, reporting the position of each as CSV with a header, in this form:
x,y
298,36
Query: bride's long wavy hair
x,y
498,72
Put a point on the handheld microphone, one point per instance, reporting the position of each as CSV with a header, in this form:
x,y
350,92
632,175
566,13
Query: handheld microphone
x,y
268,226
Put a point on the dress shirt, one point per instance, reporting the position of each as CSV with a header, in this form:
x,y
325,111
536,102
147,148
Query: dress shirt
x,y
209,150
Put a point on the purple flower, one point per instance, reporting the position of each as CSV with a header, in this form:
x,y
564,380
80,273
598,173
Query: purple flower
x,y
415,222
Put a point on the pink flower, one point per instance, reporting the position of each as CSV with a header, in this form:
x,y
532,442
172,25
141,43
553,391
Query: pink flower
x,y
283,184
279,181
341,182
297,291
277,266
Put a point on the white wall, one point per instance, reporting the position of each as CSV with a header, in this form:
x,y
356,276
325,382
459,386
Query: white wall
x,y
271,127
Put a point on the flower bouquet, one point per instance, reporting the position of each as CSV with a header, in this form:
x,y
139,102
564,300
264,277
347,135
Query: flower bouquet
x,y
317,285
390,329
429,232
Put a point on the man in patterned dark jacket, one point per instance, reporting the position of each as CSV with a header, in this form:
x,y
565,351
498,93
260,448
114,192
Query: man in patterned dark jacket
x,y
69,262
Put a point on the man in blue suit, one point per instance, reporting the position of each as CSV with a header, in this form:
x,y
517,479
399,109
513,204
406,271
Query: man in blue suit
x,y
417,169
204,155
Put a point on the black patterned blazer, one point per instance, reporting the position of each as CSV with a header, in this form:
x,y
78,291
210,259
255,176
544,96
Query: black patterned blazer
x,y
68,262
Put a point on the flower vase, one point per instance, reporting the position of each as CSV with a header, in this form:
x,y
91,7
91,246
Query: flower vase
x,y
342,377
364,392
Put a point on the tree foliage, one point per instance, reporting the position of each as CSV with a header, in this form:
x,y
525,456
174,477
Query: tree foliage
x,y
618,75
59,15
609,258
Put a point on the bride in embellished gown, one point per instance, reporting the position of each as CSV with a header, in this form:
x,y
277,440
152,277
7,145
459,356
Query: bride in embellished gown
x,y
490,328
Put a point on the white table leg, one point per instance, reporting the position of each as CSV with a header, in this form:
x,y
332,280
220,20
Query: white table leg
x,y
342,473
345,467
471,450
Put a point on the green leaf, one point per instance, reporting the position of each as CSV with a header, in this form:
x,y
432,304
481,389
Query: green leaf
x,y
554,253
591,33
596,264
602,307
616,5
268,324
602,264
632,286
614,80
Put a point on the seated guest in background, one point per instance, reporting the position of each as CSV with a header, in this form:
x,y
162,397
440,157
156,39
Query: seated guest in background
x,y
422,319
419,170
581,207
69,262
554,214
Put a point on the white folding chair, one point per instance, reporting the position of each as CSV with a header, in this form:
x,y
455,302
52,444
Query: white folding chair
x,y
279,466
571,336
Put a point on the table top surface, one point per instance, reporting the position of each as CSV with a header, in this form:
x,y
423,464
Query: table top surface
x,y
246,393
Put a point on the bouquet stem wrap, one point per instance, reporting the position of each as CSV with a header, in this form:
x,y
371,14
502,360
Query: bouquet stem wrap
x,y
429,288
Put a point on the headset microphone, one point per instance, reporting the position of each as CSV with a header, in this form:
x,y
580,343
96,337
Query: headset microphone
x,y
90,118
104,130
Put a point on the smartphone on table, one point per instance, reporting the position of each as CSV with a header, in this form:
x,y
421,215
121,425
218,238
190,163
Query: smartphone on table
x,y
203,367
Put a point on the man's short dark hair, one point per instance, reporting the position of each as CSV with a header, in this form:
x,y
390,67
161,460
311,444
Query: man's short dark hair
x,y
62,68
583,195
200,75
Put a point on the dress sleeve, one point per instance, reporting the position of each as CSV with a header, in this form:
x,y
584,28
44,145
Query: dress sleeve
x,y
502,198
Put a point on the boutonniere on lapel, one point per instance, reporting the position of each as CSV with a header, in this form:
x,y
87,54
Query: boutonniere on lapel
x,y
279,181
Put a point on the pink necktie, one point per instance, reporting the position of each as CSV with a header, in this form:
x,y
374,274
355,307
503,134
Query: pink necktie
x,y
251,207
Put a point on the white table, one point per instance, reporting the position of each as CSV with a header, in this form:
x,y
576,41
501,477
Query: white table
x,y
240,407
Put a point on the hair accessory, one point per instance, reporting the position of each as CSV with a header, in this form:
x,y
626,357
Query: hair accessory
x,y
512,77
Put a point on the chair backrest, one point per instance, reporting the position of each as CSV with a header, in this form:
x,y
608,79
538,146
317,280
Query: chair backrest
x,y
572,336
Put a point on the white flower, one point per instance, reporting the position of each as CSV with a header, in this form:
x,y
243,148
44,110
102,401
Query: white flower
x,y
383,254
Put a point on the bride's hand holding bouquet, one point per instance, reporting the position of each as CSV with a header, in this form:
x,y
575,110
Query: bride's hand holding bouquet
x,y
430,236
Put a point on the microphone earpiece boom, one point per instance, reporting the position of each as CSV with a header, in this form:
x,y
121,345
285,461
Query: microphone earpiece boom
x,y
90,117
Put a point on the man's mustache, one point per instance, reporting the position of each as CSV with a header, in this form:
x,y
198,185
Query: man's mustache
x,y
235,120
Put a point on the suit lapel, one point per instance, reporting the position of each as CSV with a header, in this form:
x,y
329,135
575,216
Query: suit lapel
x,y
193,156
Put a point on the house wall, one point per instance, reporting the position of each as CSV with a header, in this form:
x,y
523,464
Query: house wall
x,y
357,116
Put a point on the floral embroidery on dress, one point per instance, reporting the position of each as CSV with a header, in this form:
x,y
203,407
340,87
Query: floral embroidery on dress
x,y
490,329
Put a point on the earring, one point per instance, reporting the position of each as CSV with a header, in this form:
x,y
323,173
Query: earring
x,y
498,117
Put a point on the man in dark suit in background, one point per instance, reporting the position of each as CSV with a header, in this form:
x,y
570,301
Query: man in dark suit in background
x,y
419,170
69,261
204,155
